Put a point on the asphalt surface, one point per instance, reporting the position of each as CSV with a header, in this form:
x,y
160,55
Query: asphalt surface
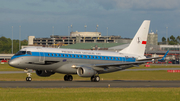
x,y
80,84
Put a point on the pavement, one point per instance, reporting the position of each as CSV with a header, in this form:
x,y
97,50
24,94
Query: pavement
x,y
88,84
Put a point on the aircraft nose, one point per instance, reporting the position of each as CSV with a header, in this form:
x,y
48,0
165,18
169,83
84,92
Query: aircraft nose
x,y
12,63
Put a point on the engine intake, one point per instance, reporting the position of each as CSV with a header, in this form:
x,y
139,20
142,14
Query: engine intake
x,y
86,71
44,73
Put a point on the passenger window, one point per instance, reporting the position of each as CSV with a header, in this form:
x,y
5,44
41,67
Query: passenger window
x,y
48,54
56,54
52,54
104,57
59,54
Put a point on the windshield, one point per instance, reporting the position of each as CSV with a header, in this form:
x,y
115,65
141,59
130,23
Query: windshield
x,y
20,53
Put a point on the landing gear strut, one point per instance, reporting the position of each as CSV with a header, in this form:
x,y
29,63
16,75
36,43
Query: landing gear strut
x,y
68,78
95,79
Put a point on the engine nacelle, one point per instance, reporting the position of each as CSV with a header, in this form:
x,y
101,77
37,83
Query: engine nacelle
x,y
44,73
86,71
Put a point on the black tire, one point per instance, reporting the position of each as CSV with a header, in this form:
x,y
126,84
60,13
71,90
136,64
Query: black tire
x,y
96,78
66,78
27,78
92,79
30,79
70,77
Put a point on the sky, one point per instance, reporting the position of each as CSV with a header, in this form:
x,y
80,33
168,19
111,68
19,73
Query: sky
x,y
122,17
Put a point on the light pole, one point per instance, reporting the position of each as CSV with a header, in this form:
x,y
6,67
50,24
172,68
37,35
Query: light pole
x,y
167,35
85,27
71,28
53,31
107,34
68,35
96,31
19,37
12,39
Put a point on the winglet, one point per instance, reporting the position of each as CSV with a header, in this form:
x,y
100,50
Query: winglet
x,y
163,58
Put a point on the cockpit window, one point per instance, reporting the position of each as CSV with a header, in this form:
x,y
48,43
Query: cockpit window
x,y
29,53
21,53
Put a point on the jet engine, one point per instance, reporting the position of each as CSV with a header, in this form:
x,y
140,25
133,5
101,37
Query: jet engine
x,y
44,73
86,71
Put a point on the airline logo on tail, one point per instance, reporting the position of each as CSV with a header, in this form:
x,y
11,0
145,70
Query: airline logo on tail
x,y
138,41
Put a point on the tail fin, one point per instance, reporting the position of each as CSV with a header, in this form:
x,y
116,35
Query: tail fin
x,y
163,58
138,44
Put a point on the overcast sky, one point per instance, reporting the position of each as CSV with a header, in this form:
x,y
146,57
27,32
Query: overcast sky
x,y
122,17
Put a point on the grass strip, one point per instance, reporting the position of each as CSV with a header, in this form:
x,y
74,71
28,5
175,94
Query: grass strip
x,y
90,94
120,75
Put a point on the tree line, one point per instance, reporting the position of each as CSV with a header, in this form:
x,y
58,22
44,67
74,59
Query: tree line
x,y
6,45
172,40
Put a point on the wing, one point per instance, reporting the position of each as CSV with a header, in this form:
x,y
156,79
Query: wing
x,y
121,64
145,59
113,64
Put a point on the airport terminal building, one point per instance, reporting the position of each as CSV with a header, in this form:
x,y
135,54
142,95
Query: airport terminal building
x,y
76,37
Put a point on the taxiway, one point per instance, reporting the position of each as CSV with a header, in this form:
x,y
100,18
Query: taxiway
x,y
77,84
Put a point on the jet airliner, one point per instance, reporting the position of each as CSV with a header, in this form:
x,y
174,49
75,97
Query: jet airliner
x,y
85,63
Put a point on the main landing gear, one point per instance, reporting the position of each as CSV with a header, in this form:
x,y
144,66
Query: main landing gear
x,y
95,79
68,77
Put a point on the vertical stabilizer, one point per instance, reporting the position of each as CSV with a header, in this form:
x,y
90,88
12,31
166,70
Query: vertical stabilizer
x,y
138,44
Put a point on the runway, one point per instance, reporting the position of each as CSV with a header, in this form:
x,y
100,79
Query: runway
x,y
80,84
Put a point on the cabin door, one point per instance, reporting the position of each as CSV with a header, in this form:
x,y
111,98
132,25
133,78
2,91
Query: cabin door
x,y
41,55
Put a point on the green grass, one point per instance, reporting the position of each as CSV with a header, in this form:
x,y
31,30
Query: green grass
x,y
90,94
120,75
6,67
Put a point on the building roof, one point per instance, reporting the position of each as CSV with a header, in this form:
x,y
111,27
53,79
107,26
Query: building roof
x,y
91,45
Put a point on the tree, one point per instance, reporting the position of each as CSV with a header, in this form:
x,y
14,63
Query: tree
x,y
178,39
163,39
6,45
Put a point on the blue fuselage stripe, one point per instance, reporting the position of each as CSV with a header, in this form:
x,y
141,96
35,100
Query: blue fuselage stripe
x,y
78,56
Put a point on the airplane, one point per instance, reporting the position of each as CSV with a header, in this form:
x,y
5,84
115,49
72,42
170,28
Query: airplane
x,y
163,58
85,63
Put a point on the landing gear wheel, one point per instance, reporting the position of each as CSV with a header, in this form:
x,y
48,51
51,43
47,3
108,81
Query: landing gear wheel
x,y
92,79
95,78
68,78
28,78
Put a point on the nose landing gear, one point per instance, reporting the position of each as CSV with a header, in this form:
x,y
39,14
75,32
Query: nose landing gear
x,y
28,78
